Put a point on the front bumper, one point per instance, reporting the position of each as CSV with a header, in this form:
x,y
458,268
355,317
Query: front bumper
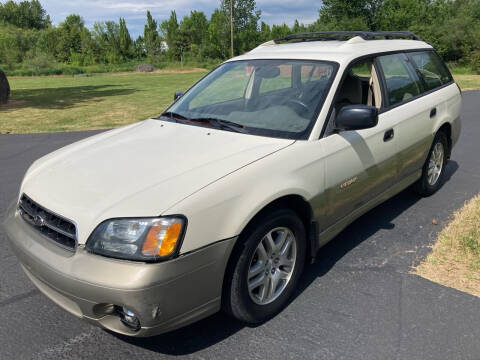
x,y
164,296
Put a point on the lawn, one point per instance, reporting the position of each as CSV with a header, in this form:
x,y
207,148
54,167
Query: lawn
x,y
50,104
455,257
467,81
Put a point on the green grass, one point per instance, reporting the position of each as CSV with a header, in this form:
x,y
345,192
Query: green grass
x,y
52,104
460,69
468,82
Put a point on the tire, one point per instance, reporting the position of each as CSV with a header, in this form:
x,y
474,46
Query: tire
x,y
254,306
428,185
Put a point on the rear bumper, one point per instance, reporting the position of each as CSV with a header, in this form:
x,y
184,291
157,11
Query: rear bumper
x,y
164,296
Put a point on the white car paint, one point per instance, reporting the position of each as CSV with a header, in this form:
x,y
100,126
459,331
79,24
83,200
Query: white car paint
x,y
219,180
140,171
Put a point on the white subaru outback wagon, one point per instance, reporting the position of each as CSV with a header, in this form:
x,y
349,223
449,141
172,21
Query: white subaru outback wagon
x,y
219,202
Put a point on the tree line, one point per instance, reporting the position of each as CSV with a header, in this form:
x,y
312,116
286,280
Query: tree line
x,y
28,39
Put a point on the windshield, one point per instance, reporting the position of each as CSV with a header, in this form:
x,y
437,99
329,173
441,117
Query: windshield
x,y
278,98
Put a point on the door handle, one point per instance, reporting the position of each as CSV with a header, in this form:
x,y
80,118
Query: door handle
x,y
433,112
388,135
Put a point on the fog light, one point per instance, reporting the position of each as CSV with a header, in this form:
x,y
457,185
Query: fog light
x,y
128,318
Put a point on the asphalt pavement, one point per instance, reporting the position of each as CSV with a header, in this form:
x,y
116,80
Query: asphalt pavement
x,y
358,301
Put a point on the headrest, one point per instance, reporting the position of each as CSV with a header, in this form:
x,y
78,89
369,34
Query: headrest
x,y
351,90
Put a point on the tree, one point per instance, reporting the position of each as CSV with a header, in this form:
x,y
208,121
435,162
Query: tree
x,y
280,31
298,28
265,32
348,14
151,38
219,35
181,44
71,32
169,29
140,48
401,14
126,45
197,25
25,14
245,23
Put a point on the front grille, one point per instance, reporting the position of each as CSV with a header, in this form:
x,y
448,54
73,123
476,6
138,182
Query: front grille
x,y
58,229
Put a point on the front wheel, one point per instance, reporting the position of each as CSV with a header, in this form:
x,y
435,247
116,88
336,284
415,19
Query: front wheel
x,y
433,172
265,268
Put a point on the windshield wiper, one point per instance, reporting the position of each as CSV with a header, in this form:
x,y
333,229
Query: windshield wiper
x,y
174,115
222,124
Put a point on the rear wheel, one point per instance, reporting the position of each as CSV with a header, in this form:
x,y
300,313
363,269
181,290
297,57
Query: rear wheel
x,y
265,268
433,172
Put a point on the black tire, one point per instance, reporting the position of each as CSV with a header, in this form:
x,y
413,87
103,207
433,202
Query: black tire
x,y
236,300
422,186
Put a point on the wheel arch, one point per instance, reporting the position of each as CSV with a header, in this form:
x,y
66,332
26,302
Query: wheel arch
x,y
447,129
294,202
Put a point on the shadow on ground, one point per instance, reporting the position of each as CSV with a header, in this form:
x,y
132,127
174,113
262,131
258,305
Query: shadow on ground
x,y
62,98
218,327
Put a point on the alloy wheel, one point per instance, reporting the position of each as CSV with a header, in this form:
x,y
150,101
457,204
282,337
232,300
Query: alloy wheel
x,y
272,265
435,164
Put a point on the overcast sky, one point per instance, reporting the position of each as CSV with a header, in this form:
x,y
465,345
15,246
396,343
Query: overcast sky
x,y
273,11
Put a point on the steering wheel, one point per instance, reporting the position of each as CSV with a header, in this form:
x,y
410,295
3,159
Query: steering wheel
x,y
298,106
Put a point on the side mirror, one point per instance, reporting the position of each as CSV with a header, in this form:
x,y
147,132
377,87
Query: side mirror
x,y
178,94
356,117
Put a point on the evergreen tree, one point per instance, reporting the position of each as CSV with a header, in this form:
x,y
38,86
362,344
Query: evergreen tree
x,y
169,29
125,41
151,37
219,35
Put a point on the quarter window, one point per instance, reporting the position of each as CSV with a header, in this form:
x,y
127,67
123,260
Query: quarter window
x,y
431,68
401,81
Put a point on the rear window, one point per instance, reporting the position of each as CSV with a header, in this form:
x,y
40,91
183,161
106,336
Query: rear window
x,y
431,69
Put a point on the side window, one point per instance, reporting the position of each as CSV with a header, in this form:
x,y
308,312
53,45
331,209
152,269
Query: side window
x,y
282,81
401,81
310,73
360,86
431,68
362,69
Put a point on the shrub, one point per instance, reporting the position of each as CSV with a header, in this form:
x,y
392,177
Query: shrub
x,y
475,62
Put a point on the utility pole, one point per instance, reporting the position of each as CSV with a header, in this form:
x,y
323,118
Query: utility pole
x,y
231,28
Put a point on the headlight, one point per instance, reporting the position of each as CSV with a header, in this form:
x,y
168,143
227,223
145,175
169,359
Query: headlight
x,y
142,239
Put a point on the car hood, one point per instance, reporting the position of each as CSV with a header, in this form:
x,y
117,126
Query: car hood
x,y
139,170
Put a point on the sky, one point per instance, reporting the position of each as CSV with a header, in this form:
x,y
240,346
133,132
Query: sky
x,y
134,11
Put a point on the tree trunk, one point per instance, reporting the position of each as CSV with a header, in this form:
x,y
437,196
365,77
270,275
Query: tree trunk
x,y
4,88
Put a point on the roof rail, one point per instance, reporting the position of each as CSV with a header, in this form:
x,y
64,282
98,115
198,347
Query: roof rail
x,y
346,35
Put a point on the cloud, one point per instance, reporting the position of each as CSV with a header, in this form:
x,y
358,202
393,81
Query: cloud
x,y
273,11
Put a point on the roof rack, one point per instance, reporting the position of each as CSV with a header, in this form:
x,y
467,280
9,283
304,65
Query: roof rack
x,y
346,35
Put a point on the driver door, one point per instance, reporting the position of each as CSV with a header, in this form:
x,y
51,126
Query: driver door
x,y
360,164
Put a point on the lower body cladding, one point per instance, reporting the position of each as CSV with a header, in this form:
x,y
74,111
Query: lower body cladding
x,y
130,298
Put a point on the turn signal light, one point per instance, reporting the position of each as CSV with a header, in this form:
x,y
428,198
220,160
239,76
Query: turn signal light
x,y
162,238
